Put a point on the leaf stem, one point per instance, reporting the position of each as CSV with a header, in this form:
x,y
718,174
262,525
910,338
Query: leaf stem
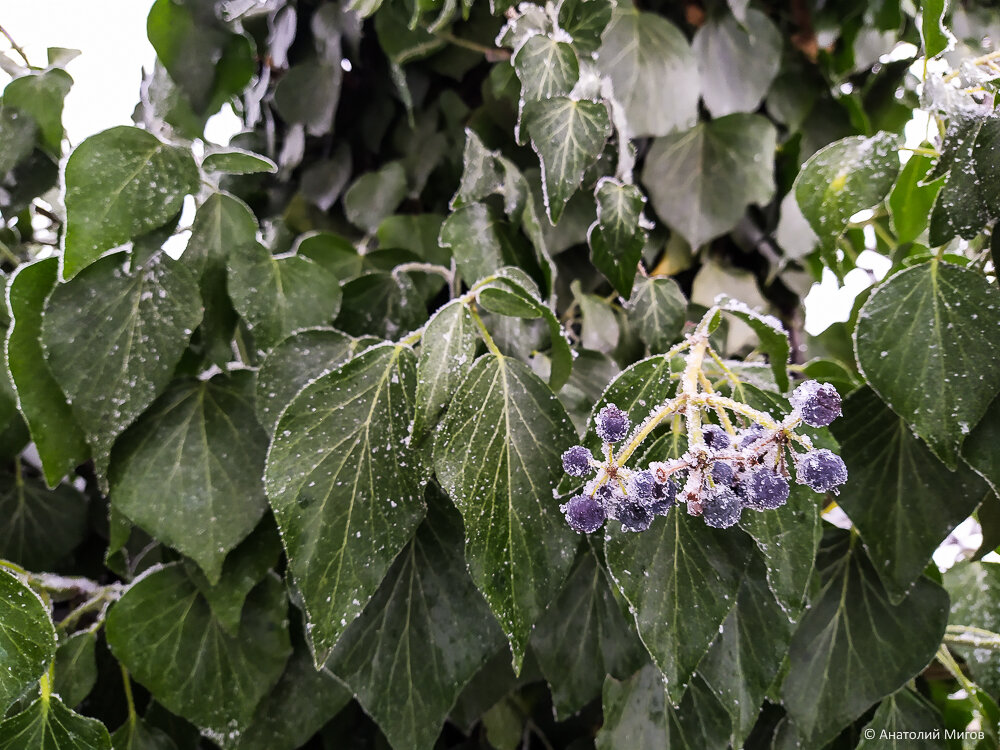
x,y
16,47
482,330
975,62
967,635
129,700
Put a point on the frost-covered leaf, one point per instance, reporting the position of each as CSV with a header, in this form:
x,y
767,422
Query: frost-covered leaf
x,y
546,68
163,631
771,334
919,500
862,645
737,60
381,304
653,72
482,241
963,204
279,294
843,178
498,456
27,639
680,579
237,161
60,442
568,136
47,724
447,351
112,338
617,237
585,21
700,181
911,201
17,136
40,95
927,340
120,184
202,449
344,484
657,310
933,33
904,721
422,637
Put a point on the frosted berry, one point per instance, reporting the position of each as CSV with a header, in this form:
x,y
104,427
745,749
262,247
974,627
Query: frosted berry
x,y
643,484
722,473
612,424
634,515
822,470
664,496
722,508
751,434
584,514
715,437
819,403
576,461
765,489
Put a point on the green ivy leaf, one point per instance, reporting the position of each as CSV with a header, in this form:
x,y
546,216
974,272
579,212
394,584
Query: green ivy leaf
x,y
447,352
374,196
904,721
585,21
18,132
238,161
422,637
481,241
308,94
348,500
583,637
926,341
979,449
41,96
76,667
911,200
27,639
113,337
725,45
498,455
617,238
48,725
120,184
680,579
381,304
701,181
850,175
568,136
546,68
165,634
139,735
962,207
60,442
771,334
887,461
657,310
279,294
863,645
933,34
653,72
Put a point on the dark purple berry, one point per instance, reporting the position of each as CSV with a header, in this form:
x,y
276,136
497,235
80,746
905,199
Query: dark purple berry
x,y
634,515
609,495
663,498
576,461
612,424
715,437
819,403
722,473
584,514
765,489
751,434
643,484
722,508
822,470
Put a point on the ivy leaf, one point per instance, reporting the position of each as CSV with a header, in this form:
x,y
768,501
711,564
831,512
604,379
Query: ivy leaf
x,y
309,93
617,237
422,637
497,455
76,667
700,181
238,161
279,294
680,579
568,136
933,34
381,304
18,132
165,634
771,334
724,45
583,637
865,646
60,442
348,500
139,735
911,518
47,724
657,310
979,449
42,526
974,588
911,201
482,242
546,68
447,352
961,207
112,339
41,95
27,639
585,21
653,72
938,323
120,184
850,175
906,717
374,196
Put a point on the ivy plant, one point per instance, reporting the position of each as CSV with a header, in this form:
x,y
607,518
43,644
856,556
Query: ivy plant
x,y
464,398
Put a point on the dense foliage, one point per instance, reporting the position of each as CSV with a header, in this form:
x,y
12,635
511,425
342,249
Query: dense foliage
x,y
311,482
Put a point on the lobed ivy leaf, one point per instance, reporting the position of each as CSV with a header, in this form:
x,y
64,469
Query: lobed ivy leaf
x,y
657,310
585,21
618,236
27,639
904,721
497,455
112,338
164,632
344,483
422,637
700,181
862,645
546,67
61,444
47,724
926,341
120,184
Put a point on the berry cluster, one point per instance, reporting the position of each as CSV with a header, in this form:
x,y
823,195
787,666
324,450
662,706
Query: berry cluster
x,y
725,468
